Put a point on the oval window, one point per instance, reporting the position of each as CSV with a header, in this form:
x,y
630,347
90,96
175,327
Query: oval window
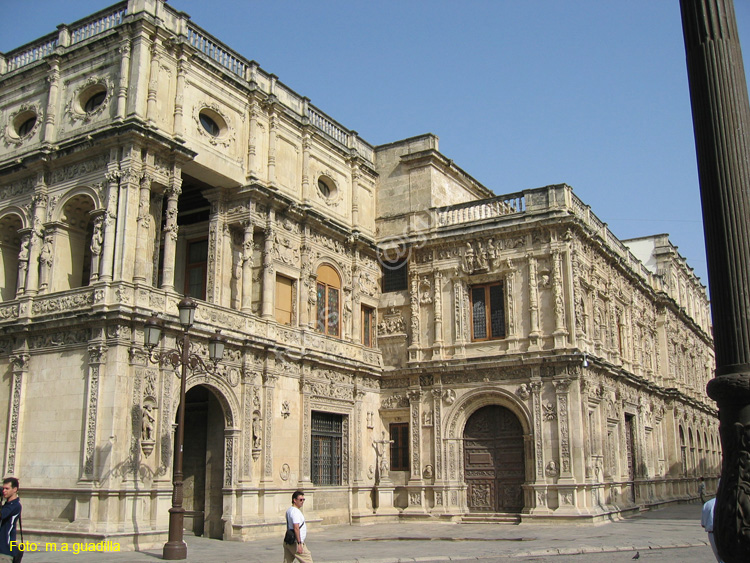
x,y
94,101
211,127
324,188
26,126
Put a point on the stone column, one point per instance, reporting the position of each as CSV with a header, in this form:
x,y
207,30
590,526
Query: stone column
x,y
182,67
561,332
415,486
97,357
306,454
171,231
122,87
438,304
142,234
247,266
459,325
269,383
216,225
109,226
721,117
355,176
306,146
20,362
153,82
268,269
533,305
54,86
36,240
273,129
414,353
511,299
252,143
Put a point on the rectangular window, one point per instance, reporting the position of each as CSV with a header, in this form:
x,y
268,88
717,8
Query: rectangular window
x,y
284,299
487,312
368,334
400,446
195,268
395,276
327,439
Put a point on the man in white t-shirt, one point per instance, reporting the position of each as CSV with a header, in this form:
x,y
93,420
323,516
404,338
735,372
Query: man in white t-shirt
x,y
295,520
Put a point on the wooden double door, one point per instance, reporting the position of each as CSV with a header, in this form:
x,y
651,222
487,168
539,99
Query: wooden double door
x,y
494,460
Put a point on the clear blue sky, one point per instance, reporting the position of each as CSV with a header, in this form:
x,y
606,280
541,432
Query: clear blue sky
x,y
521,93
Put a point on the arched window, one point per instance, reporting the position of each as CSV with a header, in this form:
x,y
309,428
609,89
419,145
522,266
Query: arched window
x,y
12,252
683,452
692,450
69,254
329,301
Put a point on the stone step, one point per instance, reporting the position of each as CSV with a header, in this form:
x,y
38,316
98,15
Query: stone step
x,y
492,518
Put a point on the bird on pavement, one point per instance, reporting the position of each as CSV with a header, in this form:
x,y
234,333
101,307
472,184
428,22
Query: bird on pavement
x,y
637,555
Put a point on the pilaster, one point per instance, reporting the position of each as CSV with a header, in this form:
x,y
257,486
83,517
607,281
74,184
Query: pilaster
x,y
268,268
142,234
534,332
171,230
20,366
247,266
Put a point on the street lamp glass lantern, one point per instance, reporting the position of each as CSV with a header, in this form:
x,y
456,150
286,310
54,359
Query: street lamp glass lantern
x,y
216,347
152,332
187,311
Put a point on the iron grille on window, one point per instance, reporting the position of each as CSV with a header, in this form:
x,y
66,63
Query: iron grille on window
x,y
487,312
394,275
326,448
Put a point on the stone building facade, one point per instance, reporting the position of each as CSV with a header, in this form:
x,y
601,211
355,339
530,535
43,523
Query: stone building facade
x,y
401,341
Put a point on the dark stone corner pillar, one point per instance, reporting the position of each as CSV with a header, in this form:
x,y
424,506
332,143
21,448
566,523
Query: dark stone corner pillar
x,y
721,118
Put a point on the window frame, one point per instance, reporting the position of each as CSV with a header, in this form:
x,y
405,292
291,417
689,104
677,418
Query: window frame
x,y
203,266
277,295
328,322
368,336
389,280
333,438
399,446
488,310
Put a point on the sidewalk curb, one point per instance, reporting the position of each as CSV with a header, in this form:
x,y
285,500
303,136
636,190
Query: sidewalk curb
x,y
529,553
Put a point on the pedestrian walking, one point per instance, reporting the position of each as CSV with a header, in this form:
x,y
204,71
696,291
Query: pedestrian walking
x,y
707,521
10,513
702,490
295,522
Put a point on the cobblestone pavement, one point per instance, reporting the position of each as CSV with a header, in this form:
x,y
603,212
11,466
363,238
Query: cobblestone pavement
x,y
660,535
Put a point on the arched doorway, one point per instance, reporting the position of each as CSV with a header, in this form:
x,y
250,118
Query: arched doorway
x,y
494,460
203,463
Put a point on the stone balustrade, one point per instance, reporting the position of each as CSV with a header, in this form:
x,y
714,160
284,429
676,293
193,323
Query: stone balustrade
x,y
205,45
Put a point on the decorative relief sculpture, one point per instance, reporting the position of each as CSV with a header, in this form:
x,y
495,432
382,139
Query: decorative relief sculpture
x,y
23,262
285,472
550,411
285,412
523,391
257,431
392,323
381,454
551,470
45,261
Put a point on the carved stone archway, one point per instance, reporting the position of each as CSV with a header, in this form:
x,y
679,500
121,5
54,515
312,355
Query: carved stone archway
x,y
460,414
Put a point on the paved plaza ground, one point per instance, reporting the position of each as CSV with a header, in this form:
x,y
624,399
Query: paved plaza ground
x,y
670,534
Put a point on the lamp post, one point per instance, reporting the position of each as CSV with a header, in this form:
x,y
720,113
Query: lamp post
x,y
175,548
